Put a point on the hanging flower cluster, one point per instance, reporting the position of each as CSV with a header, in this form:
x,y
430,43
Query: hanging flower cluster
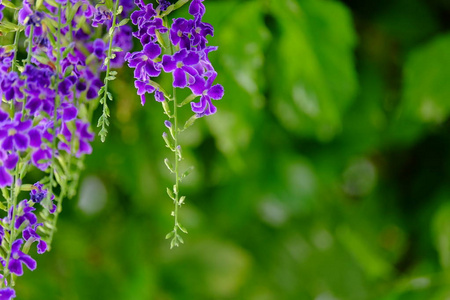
x,y
45,114
48,99
185,57
189,61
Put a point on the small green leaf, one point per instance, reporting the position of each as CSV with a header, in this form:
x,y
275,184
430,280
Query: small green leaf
x,y
11,5
169,235
190,122
123,22
182,229
187,172
169,192
169,165
119,10
111,31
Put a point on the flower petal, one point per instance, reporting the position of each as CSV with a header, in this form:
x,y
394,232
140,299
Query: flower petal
x,y
28,261
5,178
179,78
21,141
216,92
15,266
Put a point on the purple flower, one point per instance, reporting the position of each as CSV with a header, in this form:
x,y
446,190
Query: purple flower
x,y
25,213
99,49
14,134
38,194
30,18
1,13
102,14
163,5
11,86
180,32
83,136
143,62
205,106
2,234
29,233
181,65
159,96
7,162
7,294
197,9
5,61
18,258
145,12
65,86
89,82
147,23
142,88
41,157
123,38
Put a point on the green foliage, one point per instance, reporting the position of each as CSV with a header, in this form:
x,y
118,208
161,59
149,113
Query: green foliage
x,y
323,175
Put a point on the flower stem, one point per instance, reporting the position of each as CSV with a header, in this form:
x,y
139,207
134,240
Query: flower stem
x,y
103,121
30,49
48,202
12,203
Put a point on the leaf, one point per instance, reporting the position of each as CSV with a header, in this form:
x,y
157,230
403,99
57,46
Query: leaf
x,y
169,192
169,165
187,172
116,49
11,5
182,228
315,43
426,89
169,235
190,122
123,22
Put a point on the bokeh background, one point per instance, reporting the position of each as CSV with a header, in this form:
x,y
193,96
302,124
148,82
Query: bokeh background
x,y
324,174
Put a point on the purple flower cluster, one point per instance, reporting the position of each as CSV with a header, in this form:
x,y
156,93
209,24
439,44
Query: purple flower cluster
x,y
22,220
189,65
44,115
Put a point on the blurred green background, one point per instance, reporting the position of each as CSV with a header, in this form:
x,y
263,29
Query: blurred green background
x,y
324,174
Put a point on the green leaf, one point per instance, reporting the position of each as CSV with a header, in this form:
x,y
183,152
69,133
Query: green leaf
x,y
169,192
169,165
182,228
11,5
315,47
123,22
426,91
119,10
116,49
187,172
170,234
190,122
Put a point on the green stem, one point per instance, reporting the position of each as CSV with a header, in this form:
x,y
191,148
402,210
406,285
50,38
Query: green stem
x,y
16,46
57,101
28,61
105,113
11,204
177,160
